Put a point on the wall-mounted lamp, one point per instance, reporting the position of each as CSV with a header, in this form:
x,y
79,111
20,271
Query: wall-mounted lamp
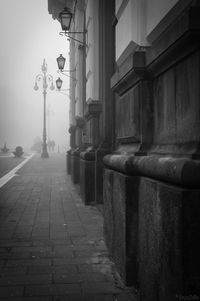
x,y
65,19
61,64
59,83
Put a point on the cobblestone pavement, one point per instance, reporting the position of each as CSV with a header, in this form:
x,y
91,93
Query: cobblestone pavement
x,y
51,244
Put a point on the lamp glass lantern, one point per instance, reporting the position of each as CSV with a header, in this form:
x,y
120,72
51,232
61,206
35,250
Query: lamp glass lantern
x,y
65,19
59,83
61,62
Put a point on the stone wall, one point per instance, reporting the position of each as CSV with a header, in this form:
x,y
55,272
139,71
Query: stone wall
x,y
152,179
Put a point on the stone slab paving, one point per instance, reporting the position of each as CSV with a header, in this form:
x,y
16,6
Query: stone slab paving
x,y
51,244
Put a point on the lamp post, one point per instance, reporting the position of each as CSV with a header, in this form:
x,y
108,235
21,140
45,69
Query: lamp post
x,y
44,78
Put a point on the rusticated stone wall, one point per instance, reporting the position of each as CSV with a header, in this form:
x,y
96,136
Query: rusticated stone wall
x,y
176,103
152,179
121,218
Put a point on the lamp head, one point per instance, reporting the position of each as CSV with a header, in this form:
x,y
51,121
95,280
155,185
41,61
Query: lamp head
x,y
59,83
61,62
65,19
36,87
44,66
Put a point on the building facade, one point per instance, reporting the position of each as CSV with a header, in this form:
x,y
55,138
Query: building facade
x,y
135,135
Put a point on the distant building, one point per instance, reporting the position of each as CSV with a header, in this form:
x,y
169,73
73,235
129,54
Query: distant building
x,y
134,128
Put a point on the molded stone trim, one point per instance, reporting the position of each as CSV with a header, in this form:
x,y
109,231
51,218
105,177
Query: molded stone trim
x,y
181,171
171,45
175,43
72,129
168,19
94,108
130,71
88,154
80,121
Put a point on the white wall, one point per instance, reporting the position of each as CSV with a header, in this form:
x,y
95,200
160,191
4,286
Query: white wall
x,y
155,11
131,26
117,4
92,59
79,26
124,30
138,19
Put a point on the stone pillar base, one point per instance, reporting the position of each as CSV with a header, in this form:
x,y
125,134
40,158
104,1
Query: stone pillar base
x,y
68,162
152,232
100,153
87,177
75,166
121,223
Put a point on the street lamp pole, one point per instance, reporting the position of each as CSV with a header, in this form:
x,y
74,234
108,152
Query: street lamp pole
x,y
44,78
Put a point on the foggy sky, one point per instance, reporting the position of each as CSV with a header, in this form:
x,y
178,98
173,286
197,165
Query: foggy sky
x,y
28,34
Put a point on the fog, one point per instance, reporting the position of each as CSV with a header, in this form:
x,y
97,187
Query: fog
x,y
28,35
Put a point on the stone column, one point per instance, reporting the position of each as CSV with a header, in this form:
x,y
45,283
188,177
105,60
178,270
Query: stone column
x,y
72,131
106,70
87,163
75,168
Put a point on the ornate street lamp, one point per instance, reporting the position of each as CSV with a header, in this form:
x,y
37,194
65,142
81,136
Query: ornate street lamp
x,y
59,83
65,19
45,78
61,62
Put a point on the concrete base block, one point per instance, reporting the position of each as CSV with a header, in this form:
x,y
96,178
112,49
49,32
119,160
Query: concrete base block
x,y
169,227
87,181
152,232
121,223
68,162
75,167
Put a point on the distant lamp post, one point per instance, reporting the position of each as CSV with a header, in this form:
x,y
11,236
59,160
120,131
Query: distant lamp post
x,y
44,78
59,83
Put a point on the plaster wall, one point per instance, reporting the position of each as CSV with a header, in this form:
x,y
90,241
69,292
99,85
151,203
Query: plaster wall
x,y
72,85
126,24
79,26
155,11
137,20
92,58
117,4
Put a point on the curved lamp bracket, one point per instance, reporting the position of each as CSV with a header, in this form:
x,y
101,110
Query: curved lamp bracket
x,y
67,34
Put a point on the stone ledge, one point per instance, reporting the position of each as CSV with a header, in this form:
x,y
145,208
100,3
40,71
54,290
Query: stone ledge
x,y
88,155
181,171
131,70
176,42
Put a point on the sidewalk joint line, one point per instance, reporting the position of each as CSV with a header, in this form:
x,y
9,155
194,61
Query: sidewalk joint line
x,y
6,178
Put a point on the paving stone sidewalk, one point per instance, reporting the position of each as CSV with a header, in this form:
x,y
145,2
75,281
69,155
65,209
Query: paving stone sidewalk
x,y
51,244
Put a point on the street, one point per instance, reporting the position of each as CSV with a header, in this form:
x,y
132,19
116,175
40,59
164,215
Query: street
x,y
8,162
51,244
